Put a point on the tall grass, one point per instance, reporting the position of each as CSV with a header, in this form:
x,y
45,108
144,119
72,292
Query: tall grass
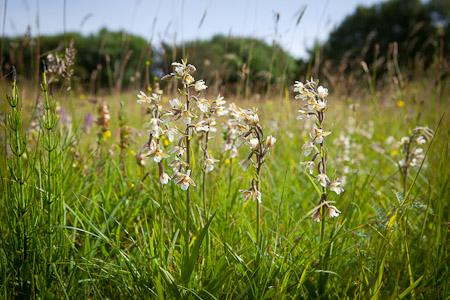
x,y
81,219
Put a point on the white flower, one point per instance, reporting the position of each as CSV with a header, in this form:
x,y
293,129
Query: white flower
x,y
178,151
157,154
298,87
188,79
308,147
270,141
178,68
322,92
164,178
309,166
252,193
203,105
254,143
321,105
140,159
175,103
302,115
184,180
404,140
171,133
323,179
187,117
200,85
143,98
421,140
418,151
319,134
336,186
316,215
333,211
209,164
202,126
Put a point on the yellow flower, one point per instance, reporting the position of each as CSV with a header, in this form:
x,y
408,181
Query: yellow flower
x,y
227,161
400,103
82,96
106,135
132,152
165,141
394,152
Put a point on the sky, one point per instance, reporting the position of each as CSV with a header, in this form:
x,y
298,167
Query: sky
x,y
182,20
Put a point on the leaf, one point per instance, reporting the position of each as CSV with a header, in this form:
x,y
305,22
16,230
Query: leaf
x,y
190,263
379,282
410,288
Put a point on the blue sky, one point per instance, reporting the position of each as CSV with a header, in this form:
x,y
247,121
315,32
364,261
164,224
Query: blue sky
x,y
169,20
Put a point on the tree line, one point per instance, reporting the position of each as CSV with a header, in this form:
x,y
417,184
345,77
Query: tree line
x,y
413,33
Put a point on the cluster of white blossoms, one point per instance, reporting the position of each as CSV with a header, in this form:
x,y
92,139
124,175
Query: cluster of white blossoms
x,y
411,147
197,113
233,131
314,104
246,125
198,116
157,128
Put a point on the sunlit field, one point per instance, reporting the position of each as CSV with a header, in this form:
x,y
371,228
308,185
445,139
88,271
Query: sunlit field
x,y
330,185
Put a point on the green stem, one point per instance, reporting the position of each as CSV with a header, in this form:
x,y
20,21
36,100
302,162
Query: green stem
x,y
188,194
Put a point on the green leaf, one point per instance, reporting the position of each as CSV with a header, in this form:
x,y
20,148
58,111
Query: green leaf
x,y
190,263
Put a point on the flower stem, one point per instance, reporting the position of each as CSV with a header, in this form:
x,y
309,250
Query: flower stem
x,y
188,161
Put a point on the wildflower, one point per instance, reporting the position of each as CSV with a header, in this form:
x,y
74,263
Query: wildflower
x,y
400,103
143,98
251,194
107,135
178,151
175,103
188,79
254,143
421,140
308,147
157,154
270,141
322,92
310,166
298,87
202,126
200,85
209,164
319,134
316,215
203,105
140,159
184,180
336,186
333,211
314,106
323,179
164,178
329,210
187,117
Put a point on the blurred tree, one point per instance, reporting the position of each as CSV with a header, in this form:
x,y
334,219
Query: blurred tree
x,y
237,62
109,58
413,24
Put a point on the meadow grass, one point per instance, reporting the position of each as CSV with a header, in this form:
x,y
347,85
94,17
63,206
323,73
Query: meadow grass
x,y
80,220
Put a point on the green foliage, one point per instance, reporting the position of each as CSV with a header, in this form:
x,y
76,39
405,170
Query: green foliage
x,y
236,62
118,237
105,59
416,27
